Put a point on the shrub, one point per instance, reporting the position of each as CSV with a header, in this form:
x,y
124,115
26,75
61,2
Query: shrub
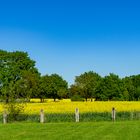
x,y
14,110
77,98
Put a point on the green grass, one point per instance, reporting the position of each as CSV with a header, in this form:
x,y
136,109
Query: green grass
x,y
121,130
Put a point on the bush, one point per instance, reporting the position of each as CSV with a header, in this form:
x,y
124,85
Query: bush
x,y
77,98
14,110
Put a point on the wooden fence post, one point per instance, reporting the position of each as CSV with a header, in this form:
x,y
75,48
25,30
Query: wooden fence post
x,y
4,117
132,115
77,115
42,116
113,114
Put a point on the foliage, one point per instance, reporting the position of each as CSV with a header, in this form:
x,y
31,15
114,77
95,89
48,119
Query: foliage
x,y
17,80
110,88
137,94
87,84
76,98
20,79
16,75
53,86
14,110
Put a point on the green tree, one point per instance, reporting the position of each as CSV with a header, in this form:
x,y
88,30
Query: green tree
x,y
137,94
53,86
74,90
17,80
43,87
27,87
136,83
16,70
87,83
75,93
58,88
110,88
136,80
128,83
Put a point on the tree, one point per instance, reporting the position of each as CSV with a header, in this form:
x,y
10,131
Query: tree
x,y
75,93
17,80
16,70
43,87
136,83
74,90
137,94
129,86
27,87
136,80
53,86
110,88
87,83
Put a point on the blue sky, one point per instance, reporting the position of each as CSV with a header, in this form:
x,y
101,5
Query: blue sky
x,y
71,37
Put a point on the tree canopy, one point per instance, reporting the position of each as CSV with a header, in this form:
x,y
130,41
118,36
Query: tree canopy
x,y
16,70
54,86
19,78
87,84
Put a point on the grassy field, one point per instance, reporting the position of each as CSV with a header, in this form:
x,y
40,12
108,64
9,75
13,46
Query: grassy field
x,y
126,130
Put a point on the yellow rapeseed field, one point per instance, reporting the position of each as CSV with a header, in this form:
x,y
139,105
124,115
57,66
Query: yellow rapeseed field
x,y
66,106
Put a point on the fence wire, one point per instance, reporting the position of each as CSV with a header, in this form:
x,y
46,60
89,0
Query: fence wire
x,y
70,117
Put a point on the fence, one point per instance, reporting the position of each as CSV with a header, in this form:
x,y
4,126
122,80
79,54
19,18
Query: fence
x,y
74,117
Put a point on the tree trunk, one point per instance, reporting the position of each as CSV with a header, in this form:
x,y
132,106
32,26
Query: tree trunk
x,y
7,100
41,100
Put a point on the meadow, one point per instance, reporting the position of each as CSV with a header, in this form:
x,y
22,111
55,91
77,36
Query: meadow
x,y
95,121
126,130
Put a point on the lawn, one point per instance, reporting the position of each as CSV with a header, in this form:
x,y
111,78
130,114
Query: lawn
x,y
126,130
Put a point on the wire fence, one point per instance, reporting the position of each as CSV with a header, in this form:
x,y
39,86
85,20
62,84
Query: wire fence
x,y
71,117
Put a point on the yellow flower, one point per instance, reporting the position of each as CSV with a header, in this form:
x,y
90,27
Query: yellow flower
x,y
66,106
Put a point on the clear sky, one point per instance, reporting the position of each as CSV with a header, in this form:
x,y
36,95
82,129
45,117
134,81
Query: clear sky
x,y
70,37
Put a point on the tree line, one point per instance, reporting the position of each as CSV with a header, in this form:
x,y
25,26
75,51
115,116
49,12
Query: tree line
x,y
20,79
